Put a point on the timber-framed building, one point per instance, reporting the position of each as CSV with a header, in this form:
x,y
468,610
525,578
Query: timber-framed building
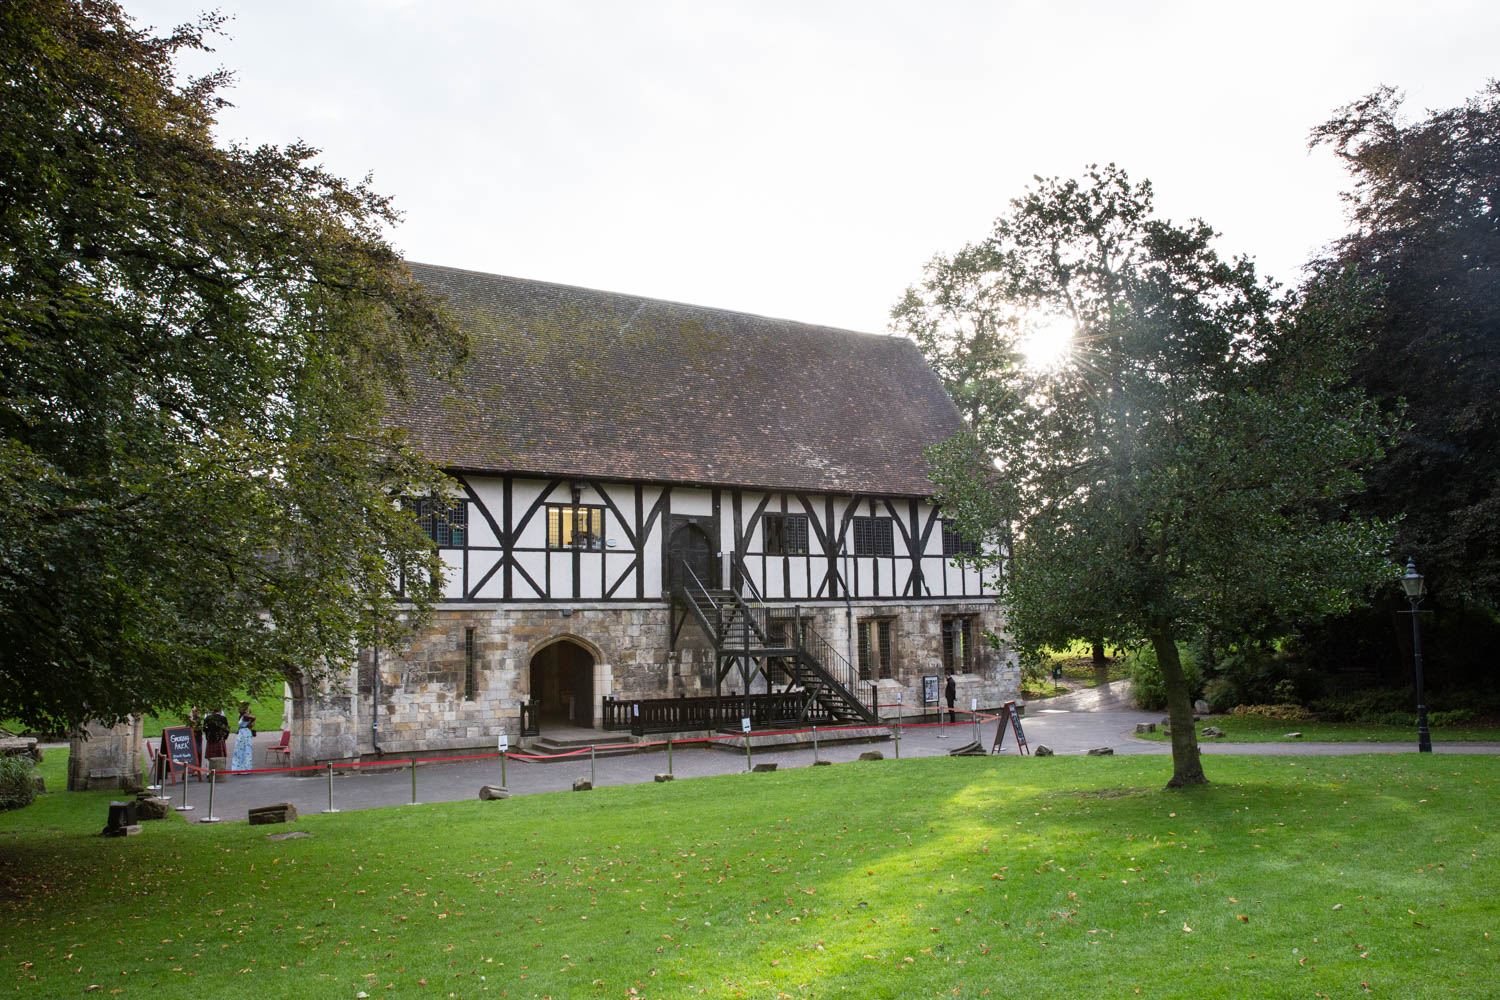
x,y
666,518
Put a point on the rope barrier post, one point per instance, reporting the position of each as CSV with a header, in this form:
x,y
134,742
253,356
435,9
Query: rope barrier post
x,y
669,756
211,818
503,783
974,707
414,781
815,744
502,744
330,808
184,808
898,723
591,764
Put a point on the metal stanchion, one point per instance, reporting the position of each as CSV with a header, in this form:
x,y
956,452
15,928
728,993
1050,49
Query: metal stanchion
x,y
184,808
974,704
815,744
898,726
330,808
749,764
669,756
591,764
211,818
503,754
413,781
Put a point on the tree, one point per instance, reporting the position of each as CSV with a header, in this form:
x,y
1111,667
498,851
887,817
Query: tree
x,y
1425,210
1183,468
196,345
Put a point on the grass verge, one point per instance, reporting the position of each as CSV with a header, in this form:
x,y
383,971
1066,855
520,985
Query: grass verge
x,y
955,876
1258,729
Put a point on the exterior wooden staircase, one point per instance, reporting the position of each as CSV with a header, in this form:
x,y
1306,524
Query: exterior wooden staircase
x,y
801,663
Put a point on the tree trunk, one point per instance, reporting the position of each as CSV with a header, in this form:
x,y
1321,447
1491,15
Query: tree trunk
x,y
1101,663
1187,767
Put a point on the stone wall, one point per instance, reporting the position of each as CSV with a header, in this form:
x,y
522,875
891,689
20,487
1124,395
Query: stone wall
x,y
418,694
106,757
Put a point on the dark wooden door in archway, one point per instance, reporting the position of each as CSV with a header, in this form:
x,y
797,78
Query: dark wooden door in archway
x,y
562,682
689,547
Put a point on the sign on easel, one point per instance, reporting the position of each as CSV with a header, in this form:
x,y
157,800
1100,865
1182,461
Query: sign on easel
x,y
181,753
1010,716
929,690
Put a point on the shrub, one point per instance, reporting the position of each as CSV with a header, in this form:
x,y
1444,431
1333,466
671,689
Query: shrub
x,y
1292,713
1146,681
17,782
1454,717
1222,694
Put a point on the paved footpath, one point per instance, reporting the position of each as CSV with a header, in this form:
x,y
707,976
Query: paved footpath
x,y
1066,730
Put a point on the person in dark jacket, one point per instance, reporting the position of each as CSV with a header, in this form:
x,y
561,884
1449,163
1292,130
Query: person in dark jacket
x,y
951,692
216,734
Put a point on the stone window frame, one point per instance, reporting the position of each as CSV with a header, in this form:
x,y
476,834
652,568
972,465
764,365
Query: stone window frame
x,y
961,627
874,536
875,647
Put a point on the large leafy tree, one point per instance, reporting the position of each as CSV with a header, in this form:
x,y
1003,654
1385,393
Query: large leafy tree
x,y
1425,214
196,344
1182,469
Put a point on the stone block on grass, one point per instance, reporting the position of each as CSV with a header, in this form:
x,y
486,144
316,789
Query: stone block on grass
x,y
872,755
822,763
280,812
1102,752
971,749
764,768
152,807
1043,750
1213,733
1292,736
490,793
664,777
1142,728
583,785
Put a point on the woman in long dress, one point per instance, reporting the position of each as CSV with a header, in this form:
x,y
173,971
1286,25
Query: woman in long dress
x,y
244,743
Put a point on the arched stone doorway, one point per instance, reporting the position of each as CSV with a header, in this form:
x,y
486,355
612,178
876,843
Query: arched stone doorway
x,y
562,681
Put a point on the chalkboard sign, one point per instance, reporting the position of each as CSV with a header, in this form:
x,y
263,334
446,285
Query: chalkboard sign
x,y
180,749
1010,716
929,690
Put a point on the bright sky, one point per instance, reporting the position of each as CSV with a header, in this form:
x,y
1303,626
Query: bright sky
x,y
804,159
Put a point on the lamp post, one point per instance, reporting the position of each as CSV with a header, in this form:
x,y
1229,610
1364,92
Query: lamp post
x,y
1416,589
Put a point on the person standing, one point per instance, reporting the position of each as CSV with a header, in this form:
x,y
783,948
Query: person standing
x,y
216,734
195,723
244,741
951,693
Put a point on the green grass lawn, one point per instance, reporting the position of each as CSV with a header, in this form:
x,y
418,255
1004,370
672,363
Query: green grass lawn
x,y
1255,729
1077,672
1061,877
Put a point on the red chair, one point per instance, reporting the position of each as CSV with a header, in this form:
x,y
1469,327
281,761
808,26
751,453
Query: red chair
x,y
284,748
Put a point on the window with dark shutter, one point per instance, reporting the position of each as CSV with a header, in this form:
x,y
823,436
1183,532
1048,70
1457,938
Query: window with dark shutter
x,y
876,651
785,534
955,544
873,536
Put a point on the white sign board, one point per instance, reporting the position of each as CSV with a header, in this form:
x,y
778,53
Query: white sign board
x,y
973,704
745,724
504,743
898,696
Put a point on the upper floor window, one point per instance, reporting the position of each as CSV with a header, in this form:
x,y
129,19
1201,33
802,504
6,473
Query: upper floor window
x,y
785,534
873,537
575,527
954,542
445,521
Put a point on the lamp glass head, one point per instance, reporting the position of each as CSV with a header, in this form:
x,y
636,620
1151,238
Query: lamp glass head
x,y
1412,581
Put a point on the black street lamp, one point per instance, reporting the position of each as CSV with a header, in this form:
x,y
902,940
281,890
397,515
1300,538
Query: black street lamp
x,y
1416,589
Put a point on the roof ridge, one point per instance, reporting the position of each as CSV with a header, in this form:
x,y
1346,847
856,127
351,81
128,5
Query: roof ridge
x,y
645,299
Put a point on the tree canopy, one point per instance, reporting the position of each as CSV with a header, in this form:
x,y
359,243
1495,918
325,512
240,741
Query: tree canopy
x,y
1183,468
1426,212
196,344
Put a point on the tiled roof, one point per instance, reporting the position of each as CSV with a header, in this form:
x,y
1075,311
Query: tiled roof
x,y
572,382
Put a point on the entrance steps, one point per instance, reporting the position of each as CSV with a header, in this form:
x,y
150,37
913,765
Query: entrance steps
x,y
801,740
560,749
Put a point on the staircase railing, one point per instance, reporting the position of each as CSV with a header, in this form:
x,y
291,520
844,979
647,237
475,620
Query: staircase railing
x,y
839,672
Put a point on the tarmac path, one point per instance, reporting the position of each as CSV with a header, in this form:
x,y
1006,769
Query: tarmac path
x,y
1072,724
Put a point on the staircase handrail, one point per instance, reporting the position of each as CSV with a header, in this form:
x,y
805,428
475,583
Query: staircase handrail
x,y
736,563
837,671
